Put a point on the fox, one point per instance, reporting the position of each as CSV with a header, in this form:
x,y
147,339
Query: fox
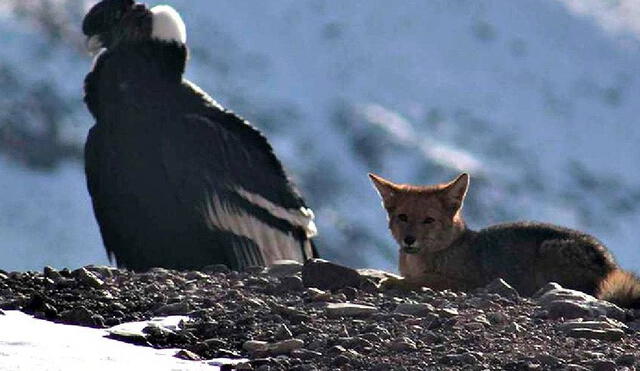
x,y
439,251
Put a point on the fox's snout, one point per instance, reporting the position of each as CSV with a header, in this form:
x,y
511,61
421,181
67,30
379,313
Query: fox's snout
x,y
408,244
409,240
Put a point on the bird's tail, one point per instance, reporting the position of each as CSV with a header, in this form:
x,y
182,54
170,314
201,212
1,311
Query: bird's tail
x,y
621,288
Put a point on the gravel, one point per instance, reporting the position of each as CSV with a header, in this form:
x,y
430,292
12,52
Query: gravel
x,y
294,318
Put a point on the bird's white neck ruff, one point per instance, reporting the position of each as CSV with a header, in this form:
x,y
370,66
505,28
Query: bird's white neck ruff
x,y
168,25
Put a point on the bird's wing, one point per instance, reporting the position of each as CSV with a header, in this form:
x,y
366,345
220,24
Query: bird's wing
x,y
101,210
226,169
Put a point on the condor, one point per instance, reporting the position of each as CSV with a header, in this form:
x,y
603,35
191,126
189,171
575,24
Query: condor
x,y
177,181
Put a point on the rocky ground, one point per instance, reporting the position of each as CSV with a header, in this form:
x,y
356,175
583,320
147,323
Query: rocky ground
x,y
325,316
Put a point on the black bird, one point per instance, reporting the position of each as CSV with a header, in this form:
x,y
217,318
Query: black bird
x,y
176,180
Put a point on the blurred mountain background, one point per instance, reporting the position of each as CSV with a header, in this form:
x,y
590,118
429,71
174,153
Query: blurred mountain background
x,y
538,99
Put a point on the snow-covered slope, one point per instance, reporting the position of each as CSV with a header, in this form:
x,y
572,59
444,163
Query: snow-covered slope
x,y
538,99
31,344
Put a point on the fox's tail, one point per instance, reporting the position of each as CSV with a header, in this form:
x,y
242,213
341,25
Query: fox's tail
x,y
621,288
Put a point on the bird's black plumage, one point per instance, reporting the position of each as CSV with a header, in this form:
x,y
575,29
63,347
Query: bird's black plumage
x,y
177,181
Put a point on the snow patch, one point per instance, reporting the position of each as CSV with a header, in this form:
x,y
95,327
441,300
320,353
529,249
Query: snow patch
x,y
27,343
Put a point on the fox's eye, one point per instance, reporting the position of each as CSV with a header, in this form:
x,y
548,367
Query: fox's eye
x,y
428,220
403,217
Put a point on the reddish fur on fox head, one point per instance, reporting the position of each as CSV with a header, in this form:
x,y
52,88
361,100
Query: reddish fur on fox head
x,y
423,217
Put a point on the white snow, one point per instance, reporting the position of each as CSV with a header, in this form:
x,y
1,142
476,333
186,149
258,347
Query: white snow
x,y
32,344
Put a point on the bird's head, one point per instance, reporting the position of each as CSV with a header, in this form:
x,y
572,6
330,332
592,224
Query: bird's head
x,y
111,22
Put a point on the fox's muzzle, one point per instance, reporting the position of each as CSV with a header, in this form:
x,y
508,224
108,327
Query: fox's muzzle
x,y
410,249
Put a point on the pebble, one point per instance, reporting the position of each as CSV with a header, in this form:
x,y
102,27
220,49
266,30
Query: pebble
x,y
502,288
603,365
195,275
339,298
305,354
254,269
634,325
173,309
341,360
156,330
326,275
244,366
319,295
291,313
79,315
350,293
585,333
187,355
448,312
549,360
216,268
497,318
344,332
284,268
280,347
371,337
52,273
402,345
628,359
474,326
88,278
418,310
216,343
514,328
466,358
354,342
285,346
604,325
103,271
283,333
337,349
349,310
574,367
290,283
369,286
481,319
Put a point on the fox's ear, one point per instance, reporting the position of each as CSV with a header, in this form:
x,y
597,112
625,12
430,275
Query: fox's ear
x,y
386,189
456,191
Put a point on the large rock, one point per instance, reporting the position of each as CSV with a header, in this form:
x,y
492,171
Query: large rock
x,y
604,329
375,275
349,310
256,347
325,275
561,302
609,335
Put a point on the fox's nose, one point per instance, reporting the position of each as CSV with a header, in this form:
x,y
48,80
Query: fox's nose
x,y
409,240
